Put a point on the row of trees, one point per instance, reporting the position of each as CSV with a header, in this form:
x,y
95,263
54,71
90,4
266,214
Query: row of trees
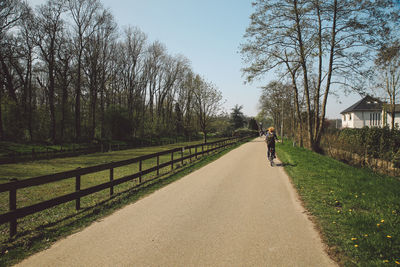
x,y
315,47
68,73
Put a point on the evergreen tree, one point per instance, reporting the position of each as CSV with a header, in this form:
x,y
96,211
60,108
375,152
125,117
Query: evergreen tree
x,y
237,117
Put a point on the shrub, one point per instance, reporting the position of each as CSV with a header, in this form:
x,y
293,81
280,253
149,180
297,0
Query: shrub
x,y
376,142
396,159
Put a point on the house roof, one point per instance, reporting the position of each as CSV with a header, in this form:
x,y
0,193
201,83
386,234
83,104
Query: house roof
x,y
368,103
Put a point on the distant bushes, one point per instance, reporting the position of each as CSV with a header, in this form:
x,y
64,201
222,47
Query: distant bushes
x,y
242,132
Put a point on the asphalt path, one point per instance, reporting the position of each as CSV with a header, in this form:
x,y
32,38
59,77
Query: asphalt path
x,y
236,211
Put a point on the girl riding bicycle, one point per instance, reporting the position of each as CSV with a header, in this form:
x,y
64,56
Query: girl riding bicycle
x,y
270,138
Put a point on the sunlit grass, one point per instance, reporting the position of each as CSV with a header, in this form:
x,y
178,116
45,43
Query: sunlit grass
x,y
358,211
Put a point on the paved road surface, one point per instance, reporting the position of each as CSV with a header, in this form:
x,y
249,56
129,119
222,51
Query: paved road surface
x,y
236,211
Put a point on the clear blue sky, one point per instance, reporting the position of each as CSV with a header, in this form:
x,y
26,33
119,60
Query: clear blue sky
x,y
208,33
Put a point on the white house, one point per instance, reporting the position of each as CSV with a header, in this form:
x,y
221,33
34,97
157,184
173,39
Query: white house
x,y
368,111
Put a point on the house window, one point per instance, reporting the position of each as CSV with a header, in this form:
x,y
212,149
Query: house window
x,y
375,119
349,117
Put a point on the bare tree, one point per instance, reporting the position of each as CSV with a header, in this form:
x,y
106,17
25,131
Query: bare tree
x,y
388,68
96,55
277,103
156,52
207,103
172,69
27,45
84,14
48,30
133,74
11,12
186,101
64,78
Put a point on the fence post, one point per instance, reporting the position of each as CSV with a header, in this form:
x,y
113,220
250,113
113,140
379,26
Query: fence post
x,y
111,179
140,171
77,189
172,160
183,149
13,206
195,152
190,154
158,165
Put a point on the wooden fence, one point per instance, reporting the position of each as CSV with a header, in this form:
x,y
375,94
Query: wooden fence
x,y
15,213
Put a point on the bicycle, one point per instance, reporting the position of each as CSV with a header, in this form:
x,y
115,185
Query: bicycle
x,y
271,156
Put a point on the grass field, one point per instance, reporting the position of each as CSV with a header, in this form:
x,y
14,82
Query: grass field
x,y
357,211
40,230
7,148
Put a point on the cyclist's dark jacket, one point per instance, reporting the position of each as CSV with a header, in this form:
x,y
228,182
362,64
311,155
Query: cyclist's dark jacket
x,y
270,138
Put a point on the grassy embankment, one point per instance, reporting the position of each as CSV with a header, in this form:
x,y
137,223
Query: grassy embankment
x,y
40,230
357,211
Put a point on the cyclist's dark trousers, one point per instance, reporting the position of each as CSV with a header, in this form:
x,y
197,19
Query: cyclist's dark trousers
x,y
271,149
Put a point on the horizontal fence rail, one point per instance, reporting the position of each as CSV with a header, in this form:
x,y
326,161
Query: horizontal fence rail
x,y
15,213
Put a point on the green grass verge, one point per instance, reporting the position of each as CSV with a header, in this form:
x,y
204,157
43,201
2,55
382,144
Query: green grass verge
x,y
356,210
38,231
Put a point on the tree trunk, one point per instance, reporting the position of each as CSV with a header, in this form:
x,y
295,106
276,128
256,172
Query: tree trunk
x,y
27,94
51,102
393,109
305,76
64,99
319,81
1,115
296,103
320,128
9,81
93,101
102,110
30,101
78,100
